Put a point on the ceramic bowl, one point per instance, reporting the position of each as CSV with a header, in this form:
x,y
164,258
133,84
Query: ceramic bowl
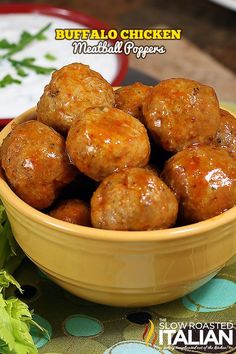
x,y
118,267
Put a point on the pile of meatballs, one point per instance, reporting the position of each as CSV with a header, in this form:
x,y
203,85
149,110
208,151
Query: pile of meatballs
x,y
135,158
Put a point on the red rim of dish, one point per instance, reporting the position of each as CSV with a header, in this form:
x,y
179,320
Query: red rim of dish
x,y
71,15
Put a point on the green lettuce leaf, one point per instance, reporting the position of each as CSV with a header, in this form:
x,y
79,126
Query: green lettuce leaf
x,y
15,316
10,253
15,321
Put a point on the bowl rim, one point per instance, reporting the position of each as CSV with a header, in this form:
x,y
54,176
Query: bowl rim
x,y
164,235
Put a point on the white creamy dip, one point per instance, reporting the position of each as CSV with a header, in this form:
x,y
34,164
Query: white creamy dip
x,y
16,98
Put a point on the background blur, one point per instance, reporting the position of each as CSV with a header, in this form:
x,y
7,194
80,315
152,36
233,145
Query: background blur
x,y
207,51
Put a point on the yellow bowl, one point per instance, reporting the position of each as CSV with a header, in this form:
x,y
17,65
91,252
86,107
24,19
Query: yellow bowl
x,y
118,267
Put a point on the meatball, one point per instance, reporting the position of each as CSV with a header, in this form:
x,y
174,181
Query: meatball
x,y
74,211
35,163
204,181
226,135
130,98
105,140
133,199
72,90
181,112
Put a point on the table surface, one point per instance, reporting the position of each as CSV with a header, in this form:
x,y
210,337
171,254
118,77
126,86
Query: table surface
x,y
77,326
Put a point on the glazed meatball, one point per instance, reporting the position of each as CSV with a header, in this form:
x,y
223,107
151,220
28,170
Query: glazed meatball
x,y
226,135
130,98
133,199
204,181
73,211
105,140
181,112
72,90
35,163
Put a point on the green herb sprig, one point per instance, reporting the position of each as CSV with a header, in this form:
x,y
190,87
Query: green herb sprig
x,y
5,44
8,80
20,71
49,56
25,39
29,63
